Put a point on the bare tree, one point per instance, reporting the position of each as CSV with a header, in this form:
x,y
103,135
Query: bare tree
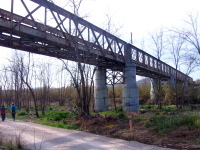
x,y
176,43
83,84
192,34
75,5
110,26
44,76
7,86
25,74
159,44
80,74
62,83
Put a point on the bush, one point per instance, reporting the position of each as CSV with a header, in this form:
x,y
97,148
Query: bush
x,y
193,107
157,113
119,109
109,112
62,124
52,107
22,113
169,108
56,116
122,116
165,124
146,107
32,107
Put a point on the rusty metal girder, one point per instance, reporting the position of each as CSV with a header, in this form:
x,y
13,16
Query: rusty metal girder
x,y
70,37
148,62
114,77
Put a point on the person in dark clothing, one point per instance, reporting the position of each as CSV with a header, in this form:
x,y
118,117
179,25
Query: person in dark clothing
x,y
3,112
13,111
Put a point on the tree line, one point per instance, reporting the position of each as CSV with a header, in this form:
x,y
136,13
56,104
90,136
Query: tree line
x,y
26,82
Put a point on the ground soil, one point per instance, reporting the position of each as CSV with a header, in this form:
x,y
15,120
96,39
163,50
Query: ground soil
x,y
110,126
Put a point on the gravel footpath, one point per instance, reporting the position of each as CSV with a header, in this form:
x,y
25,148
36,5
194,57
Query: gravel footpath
x,y
40,137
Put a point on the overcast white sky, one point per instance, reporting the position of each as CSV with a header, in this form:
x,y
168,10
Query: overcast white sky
x,y
140,17
143,16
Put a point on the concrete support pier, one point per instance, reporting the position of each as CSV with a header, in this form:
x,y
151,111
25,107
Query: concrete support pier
x,y
186,87
154,89
171,83
130,90
100,90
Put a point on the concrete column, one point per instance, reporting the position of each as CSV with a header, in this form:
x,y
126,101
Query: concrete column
x,y
185,87
100,90
130,94
171,83
154,89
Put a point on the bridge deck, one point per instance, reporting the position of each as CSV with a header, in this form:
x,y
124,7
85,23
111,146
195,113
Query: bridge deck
x,y
72,38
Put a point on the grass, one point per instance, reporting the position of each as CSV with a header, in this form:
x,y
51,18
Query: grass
x,y
62,125
162,120
109,112
117,113
164,124
13,143
57,117
197,140
154,108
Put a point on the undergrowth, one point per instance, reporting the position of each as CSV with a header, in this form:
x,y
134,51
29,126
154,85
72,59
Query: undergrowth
x,y
117,113
58,117
164,124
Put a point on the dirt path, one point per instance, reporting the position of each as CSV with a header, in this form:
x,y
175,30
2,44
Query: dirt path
x,y
40,137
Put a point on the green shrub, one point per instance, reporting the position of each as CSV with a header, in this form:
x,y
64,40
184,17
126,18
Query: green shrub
x,y
72,127
143,111
22,113
165,113
32,107
62,124
56,116
63,121
192,120
52,107
165,124
156,113
109,112
197,140
122,116
193,107
119,109
146,107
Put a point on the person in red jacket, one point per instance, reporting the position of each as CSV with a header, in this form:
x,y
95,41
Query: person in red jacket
x,y
3,112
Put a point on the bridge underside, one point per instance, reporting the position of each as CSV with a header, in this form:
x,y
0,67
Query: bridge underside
x,y
30,44
21,41
25,42
103,49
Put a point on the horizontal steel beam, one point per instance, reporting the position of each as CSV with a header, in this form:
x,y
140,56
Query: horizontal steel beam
x,y
73,38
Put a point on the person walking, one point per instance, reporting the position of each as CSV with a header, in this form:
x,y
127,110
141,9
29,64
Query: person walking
x,y
13,111
3,112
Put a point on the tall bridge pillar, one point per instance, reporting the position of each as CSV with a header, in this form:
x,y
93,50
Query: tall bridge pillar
x,y
171,84
154,89
130,96
100,90
185,87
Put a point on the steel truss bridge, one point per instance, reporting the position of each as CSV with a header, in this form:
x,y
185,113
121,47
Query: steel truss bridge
x,y
41,27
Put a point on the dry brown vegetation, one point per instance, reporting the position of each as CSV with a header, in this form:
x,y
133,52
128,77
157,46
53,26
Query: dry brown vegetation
x,y
110,126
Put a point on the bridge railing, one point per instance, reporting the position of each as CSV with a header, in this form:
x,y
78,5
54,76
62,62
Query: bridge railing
x,y
153,64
